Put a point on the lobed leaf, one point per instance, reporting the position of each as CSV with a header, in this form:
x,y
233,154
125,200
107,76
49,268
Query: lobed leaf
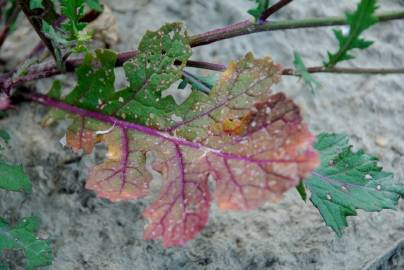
x,y
358,21
255,151
252,143
22,237
347,180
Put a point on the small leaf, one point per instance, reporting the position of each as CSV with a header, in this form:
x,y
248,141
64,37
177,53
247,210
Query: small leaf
x,y
347,181
56,36
301,70
358,21
13,178
256,12
302,191
21,237
33,4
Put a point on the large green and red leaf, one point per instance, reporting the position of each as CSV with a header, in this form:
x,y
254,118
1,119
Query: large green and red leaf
x,y
251,142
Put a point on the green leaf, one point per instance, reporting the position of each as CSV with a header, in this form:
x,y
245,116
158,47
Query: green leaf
x,y
73,10
161,57
261,6
56,36
56,90
22,237
302,191
13,178
358,21
95,5
33,4
95,86
348,180
301,70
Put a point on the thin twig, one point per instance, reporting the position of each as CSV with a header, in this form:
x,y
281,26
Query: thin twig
x,y
35,19
346,70
247,27
317,69
274,8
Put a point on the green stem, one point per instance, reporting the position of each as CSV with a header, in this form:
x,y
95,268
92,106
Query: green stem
x,y
247,27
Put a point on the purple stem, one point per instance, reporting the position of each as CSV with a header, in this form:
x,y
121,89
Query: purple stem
x,y
267,13
45,100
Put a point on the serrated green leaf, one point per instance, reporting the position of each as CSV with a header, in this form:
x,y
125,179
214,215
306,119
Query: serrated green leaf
x,y
347,180
301,70
33,4
358,21
261,6
13,178
22,237
74,11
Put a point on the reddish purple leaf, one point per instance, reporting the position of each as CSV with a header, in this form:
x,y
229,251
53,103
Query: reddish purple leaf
x,y
253,152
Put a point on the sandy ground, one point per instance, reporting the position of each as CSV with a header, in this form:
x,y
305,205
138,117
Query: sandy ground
x,y
91,233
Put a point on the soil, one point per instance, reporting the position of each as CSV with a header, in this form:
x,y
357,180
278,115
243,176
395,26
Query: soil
x,y
91,233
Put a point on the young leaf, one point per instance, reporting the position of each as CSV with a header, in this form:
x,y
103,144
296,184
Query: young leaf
x,y
256,12
302,191
51,33
347,180
253,143
358,21
22,237
301,70
73,10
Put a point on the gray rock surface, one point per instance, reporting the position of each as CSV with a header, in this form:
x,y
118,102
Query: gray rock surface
x,y
91,233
